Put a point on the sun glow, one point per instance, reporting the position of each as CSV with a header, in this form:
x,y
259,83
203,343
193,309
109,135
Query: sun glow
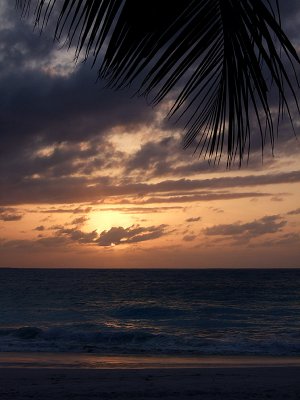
x,y
104,220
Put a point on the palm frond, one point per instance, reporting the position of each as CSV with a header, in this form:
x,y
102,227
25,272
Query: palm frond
x,y
226,58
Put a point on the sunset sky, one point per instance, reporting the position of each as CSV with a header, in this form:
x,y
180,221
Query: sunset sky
x,y
92,177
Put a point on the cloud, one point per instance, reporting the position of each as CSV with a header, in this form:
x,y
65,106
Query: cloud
x,y
246,231
57,143
140,210
288,239
54,210
216,210
57,111
52,242
193,219
276,198
78,110
154,158
58,127
165,157
39,228
77,235
8,214
56,227
63,236
132,234
79,221
83,189
189,238
294,212
204,196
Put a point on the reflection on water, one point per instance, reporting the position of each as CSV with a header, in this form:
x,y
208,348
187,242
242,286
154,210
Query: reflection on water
x,y
52,360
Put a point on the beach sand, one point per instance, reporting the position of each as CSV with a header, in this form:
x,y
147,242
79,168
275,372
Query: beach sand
x,y
165,383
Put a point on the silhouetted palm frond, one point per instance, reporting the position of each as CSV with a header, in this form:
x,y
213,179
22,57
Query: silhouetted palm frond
x,y
226,60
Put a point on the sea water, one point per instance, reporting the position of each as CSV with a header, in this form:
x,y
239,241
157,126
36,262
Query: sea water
x,y
151,312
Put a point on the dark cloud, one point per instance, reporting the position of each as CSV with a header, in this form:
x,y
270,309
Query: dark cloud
x,y
167,158
193,219
53,109
132,234
76,235
79,221
204,196
50,109
49,242
41,106
290,19
8,214
27,244
216,210
246,231
154,157
294,212
288,239
189,238
141,210
39,228
76,210
55,124
63,236
81,189
276,198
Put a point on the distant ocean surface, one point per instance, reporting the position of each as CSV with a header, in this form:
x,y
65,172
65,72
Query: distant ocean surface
x,y
159,312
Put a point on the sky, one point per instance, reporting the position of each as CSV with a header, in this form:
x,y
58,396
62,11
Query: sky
x,y
96,178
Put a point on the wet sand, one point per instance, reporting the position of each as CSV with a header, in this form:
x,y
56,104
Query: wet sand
x,y
214,383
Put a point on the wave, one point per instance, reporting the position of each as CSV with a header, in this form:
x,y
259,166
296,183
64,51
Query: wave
x,y
72,339
146,312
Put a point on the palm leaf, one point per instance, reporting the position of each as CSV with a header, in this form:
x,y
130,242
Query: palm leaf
x,y
226,60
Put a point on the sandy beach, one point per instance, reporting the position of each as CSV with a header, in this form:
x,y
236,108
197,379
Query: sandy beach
x,y
280,382
211,384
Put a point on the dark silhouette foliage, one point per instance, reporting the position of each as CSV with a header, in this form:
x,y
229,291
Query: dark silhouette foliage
x,y
227,62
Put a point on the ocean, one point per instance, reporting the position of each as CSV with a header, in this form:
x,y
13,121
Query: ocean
x,y
151,312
